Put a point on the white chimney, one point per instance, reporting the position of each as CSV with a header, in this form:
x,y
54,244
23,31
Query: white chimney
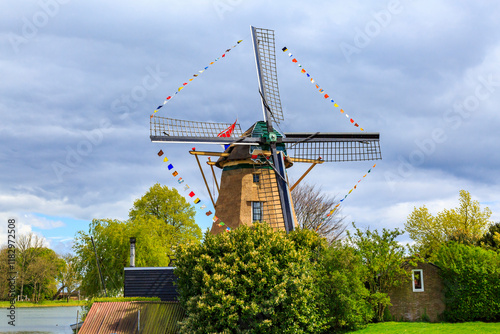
x,y
132,252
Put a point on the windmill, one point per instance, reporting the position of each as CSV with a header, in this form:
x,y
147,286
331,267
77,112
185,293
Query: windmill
x,y
254,184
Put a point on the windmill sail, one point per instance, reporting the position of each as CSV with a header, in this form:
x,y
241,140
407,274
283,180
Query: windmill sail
x,y
333,147
181,131
265,59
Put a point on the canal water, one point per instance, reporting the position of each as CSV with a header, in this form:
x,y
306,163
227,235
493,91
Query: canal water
x,y
30,320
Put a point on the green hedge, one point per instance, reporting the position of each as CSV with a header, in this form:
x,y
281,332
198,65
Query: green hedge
x,y
471,277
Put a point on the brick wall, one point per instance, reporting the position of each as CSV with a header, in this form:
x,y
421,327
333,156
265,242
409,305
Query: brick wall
x,y
410,306
238,191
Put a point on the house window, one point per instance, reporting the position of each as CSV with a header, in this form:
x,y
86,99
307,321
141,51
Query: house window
x,y
256,178
418,280
256,211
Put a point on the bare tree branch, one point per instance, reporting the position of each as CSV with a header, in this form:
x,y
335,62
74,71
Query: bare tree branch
x,y
311,208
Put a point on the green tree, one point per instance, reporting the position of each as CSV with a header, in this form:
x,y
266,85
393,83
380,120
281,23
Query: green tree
x,y
384,259
111,240
67,278
491,239
4,273
160,221
42,273
249,280
466,223
27,246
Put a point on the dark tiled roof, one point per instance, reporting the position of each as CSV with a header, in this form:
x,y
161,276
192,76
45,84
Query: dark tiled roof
x,y
122,317
151,282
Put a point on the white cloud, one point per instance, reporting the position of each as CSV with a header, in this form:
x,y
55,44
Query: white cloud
x,y
42,222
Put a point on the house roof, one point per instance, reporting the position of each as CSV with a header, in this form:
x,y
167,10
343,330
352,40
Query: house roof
x,y
122,317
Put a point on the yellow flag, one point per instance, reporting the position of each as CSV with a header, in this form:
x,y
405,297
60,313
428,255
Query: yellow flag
x,y
180,88
335,105
165,159
350,191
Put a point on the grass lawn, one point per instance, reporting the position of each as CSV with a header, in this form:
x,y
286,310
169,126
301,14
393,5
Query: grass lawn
x,y
45,303
423,327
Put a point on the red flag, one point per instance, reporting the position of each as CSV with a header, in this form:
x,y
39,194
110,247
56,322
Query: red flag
x,y
227,133
191,194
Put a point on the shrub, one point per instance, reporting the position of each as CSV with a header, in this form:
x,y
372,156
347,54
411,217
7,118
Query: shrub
x,y
250,280
383,258
343,296
471,276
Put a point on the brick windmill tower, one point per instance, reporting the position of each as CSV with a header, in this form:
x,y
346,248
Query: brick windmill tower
x,y
254,184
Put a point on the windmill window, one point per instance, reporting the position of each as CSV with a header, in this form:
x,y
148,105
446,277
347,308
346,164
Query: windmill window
x,y
256,178
256,211
418,280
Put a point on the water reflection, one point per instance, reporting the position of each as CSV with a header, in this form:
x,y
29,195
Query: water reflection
x,y
38,320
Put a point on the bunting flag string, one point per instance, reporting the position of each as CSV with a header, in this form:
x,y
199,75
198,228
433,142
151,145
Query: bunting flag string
x,y
221,223
196,75
186,188
350,191
321,90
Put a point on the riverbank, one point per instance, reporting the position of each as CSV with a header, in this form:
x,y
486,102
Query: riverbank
x,y
45,303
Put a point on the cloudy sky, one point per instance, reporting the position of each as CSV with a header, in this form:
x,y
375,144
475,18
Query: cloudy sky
x,y
80,79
